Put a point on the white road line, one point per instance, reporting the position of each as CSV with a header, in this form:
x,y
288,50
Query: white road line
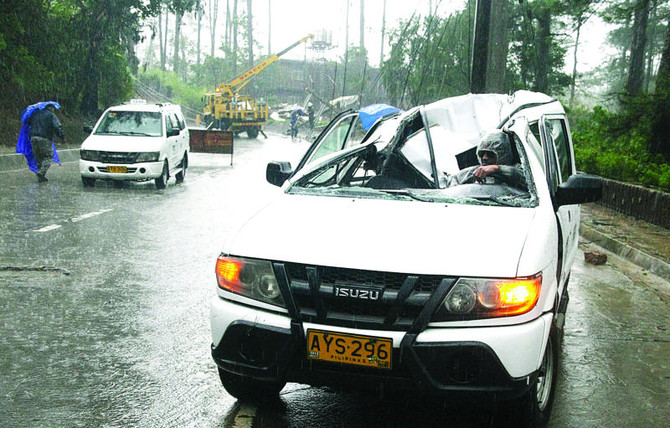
x,y
73,220
48,228
89,215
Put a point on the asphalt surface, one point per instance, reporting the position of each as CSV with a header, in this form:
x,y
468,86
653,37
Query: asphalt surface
x,y
637,241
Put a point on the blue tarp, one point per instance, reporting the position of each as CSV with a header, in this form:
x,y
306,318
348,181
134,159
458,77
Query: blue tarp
x,y
23,145
372,113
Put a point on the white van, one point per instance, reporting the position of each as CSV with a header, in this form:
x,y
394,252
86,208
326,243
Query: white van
x,y
136,142
377,267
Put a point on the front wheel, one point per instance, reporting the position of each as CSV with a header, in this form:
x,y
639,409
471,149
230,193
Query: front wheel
x,y
182,174
88,181
161,181
252,132
245,388
533,409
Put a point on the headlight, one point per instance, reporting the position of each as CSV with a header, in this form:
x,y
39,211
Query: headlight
x,y
249,277
147,157
472,298
89,155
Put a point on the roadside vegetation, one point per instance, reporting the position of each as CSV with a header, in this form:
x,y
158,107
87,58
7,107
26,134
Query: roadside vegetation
x,y
83,53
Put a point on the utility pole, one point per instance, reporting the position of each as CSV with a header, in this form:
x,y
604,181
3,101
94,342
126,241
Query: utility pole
x,y
381,55
269,27
480,48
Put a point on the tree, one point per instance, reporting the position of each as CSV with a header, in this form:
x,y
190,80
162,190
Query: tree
x,y
637,48
659,141
250,34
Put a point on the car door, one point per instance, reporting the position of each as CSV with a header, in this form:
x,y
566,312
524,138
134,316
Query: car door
x,y
172,141
559,166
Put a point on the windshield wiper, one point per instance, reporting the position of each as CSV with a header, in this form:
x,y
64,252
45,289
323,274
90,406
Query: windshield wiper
x,y
406,192
144,134
499,201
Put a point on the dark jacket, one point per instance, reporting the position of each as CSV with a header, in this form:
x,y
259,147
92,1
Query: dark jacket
x,y
509,173
44,123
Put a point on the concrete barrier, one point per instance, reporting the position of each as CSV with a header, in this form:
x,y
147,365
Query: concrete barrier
x,y
14,161
638,202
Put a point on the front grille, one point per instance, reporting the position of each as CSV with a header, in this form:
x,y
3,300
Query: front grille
x,y
118,157
401,300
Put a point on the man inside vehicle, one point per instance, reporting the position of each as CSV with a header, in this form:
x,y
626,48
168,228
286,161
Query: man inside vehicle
x,y
496,164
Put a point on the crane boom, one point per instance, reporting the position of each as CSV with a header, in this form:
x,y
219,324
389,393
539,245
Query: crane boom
x,y
228,110
237,83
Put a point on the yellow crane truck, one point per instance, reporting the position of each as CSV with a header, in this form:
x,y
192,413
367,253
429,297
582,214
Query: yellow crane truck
x,y
226,109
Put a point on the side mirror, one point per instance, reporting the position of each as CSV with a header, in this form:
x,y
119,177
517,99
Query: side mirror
x,y
88,129
173,132
579,189
278,172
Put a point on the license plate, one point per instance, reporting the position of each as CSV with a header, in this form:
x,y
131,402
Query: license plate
x,y
118,169
353,349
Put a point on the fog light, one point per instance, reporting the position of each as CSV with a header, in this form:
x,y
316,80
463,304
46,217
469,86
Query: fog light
x,y
461,299
142,170
91,169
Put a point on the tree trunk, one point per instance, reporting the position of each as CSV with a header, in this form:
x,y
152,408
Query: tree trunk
x,y
381,51
198,12
250,33
543,41
497,49
213,15
659,141
269,27
164,41
234,37
362,26
160,41
637,48
481,44
177,32
573,80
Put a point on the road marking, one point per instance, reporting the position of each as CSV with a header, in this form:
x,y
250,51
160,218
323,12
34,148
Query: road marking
x,y
48,228
73,220
89,215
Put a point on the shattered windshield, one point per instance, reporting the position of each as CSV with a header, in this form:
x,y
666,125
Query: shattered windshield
x,y
131,123
426,164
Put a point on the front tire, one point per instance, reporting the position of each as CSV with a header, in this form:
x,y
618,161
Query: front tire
x,y
88,181
533,408
252,132
182,174
248,389
161,181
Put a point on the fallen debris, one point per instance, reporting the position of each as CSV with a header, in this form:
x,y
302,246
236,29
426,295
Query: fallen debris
x,y
595,257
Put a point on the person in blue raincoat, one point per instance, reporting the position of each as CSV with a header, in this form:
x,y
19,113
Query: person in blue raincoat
x,y
294,121
40,125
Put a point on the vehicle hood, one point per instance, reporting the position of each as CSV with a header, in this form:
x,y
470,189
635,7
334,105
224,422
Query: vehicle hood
x,y
387,235
122,143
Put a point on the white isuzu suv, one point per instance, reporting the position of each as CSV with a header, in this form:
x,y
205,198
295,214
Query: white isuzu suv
x,y
390,260
136,141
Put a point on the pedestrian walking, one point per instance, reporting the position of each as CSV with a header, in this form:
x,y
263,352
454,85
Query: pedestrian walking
x,y
294,121
40,125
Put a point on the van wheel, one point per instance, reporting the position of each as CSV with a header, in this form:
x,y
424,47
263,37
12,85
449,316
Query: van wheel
x,y
248,389
161,181
88,181
182,174
252,132
533,408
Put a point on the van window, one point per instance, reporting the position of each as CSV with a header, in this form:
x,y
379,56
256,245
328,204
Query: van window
x,y
170,123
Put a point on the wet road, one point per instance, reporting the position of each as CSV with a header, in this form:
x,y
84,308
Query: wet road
x,y
104,297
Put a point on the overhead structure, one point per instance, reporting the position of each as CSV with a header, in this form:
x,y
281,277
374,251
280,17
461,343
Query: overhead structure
x,y
227,109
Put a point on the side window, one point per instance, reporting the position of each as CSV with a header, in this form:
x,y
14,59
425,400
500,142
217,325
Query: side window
x,y
170,123
179,119
551,166
559,134
334,141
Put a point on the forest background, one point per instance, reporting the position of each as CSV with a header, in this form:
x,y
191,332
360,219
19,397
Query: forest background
x,y
90,54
